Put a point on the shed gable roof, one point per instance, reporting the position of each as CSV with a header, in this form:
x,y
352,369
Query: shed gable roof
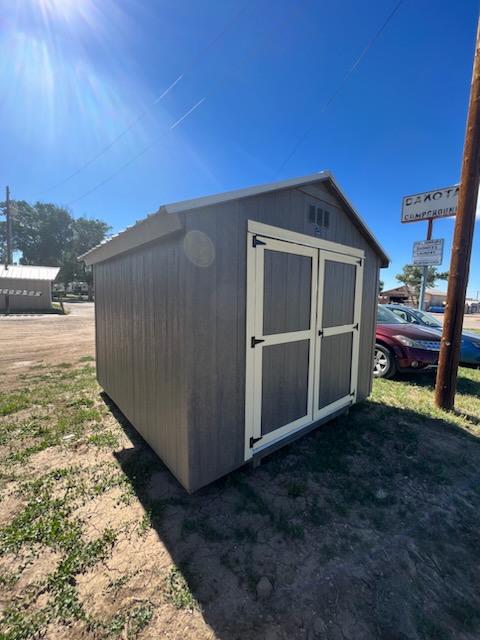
x,y
28,272
166,219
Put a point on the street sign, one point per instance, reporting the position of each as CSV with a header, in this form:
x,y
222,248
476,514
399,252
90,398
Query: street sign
x,y
428,253
430,205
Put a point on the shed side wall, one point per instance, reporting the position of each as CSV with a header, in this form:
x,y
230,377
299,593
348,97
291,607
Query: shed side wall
x,y
140,326
27,303
216,304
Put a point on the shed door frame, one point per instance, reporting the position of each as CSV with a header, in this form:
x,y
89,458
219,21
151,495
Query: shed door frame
x,y
352,328
300,245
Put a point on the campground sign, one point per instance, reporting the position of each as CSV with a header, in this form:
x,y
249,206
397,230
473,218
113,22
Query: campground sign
x,y
430,205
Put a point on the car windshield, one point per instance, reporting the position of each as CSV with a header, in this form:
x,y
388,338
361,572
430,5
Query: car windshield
x,y
385,316
427,319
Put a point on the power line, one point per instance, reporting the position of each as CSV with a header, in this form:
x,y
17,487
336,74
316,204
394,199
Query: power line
x,y
300,6
154,103
338,89
132,124
132,160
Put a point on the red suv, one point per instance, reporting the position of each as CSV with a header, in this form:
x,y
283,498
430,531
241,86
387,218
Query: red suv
x,y
402,347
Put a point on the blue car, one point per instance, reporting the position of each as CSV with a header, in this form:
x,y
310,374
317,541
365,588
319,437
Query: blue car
x,y
470,348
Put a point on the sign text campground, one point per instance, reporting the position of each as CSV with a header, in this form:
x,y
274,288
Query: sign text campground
x,y
430,205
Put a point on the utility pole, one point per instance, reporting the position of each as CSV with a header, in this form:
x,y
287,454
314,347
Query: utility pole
x,y
9,230
461,248
9,257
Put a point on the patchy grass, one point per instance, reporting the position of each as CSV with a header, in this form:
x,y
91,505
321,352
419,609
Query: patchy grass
x,y
177,591
373,518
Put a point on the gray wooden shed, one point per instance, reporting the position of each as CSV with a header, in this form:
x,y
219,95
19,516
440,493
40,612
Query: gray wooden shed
x,y
231,324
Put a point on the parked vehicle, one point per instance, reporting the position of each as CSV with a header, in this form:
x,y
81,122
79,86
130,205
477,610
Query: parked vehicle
x,y
470,347
402,347
436,309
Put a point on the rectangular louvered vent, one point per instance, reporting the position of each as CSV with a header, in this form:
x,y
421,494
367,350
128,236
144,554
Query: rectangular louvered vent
x,y
318,216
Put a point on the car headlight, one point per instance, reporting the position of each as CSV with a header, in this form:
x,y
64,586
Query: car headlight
x,y
408,342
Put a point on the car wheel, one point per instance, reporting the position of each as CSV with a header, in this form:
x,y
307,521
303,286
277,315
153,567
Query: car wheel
x,y
384,362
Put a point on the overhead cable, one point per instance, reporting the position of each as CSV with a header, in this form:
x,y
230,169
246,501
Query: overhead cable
x,y
338,89
154,103
299,7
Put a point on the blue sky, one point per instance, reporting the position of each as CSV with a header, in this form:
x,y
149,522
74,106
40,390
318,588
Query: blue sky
x,y
76,74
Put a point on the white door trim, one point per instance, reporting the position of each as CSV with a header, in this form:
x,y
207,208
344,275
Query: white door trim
x,y
254,355
353,328
269,231
254,326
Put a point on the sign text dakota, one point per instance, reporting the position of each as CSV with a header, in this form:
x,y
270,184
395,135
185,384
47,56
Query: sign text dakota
x,y
431,204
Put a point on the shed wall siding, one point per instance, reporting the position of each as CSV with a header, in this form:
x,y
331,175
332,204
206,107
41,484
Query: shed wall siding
x,y
27,303
171,323
216,303
215,341
140,325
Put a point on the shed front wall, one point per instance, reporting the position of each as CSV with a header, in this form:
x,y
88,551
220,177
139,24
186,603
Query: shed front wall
x,y
171,328
140,336
216,316
27,303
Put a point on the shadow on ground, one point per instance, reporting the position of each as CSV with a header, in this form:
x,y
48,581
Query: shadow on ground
x,y
367,528
463,386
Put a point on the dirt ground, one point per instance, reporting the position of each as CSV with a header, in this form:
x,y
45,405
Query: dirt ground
x,y
29,340
373,536
50,339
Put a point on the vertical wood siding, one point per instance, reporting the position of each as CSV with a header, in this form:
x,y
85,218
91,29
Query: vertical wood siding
x,y
285,386
140,325
171,322
216,303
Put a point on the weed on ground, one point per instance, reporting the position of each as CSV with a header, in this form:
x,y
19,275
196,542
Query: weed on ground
x,y
367,528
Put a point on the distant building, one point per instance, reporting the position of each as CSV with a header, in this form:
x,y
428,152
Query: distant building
x,y
472,306
402,295
29,287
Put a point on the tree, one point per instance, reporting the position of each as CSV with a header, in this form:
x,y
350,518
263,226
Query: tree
x,y
48,235
381,286
40,233
411,277
85,235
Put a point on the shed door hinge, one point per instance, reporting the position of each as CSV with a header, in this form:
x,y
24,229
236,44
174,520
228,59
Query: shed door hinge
x,y
256,241
353,393
254,440
320,332
359,261
355,326
255,341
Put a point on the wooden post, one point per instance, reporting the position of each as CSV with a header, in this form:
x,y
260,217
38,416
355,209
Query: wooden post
x,y
461,248
9,257
423,286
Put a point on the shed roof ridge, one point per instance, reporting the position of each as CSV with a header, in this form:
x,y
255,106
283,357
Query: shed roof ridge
x,y
226,196
203,201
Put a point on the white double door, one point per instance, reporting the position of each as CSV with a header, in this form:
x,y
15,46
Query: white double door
x,y
302,334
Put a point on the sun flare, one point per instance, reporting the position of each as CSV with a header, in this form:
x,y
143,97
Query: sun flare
x,y
64,10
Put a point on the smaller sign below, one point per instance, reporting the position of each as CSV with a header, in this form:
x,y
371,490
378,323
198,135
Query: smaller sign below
x,y
428,253
430,205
